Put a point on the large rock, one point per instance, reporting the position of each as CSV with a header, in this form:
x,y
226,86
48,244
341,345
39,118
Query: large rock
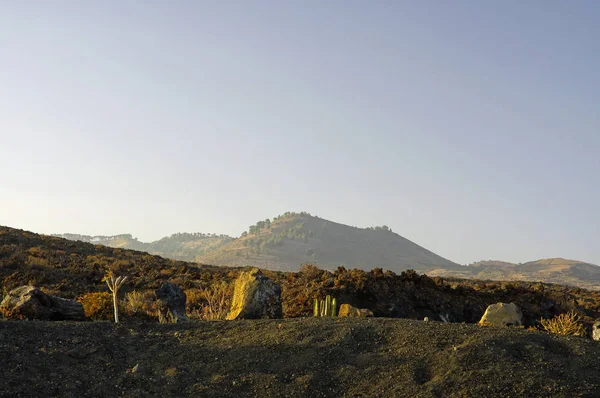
x,y
255,296
171,303
596,330
502,314
29,302
346,310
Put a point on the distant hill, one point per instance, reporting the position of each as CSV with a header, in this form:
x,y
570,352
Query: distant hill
x,y
292,239
549,270
180,246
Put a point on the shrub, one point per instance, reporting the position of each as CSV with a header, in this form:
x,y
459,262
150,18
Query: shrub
x,y
211,303
310,271
140,304
566,324
97,305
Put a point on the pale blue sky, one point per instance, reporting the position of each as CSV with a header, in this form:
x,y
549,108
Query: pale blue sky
x,y
469,127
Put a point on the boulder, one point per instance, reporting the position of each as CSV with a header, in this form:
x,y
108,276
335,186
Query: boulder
x,y
350,311
502,314
596,330
171,303
366,313
255,296
29,302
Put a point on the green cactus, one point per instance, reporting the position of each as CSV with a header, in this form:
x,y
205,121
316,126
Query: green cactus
x,y
327,307
334,307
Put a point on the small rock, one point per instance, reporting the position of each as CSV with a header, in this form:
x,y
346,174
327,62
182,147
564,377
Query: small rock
x,y
426,319
137,369
596,330
502,314
346,310
171,372
366,313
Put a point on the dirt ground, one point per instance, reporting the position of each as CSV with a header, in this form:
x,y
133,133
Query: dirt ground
x,y
302,357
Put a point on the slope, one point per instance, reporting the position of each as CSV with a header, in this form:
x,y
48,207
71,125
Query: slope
x,y
296,238
179,246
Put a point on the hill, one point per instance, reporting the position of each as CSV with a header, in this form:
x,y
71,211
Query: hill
x,y
179,246
550,270
306,357
292,239
70,269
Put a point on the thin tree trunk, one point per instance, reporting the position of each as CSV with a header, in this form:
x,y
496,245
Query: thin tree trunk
x,y
116,307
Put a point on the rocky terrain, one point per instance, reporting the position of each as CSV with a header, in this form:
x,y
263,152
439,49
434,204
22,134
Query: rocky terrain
x,y
316,357
298,355
71,269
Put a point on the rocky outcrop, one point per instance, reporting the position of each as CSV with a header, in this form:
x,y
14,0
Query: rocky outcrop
x,y
171,303
346,310
29,302
596,330
255,296
502,314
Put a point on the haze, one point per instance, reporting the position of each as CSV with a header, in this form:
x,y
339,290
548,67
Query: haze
x,y
471,128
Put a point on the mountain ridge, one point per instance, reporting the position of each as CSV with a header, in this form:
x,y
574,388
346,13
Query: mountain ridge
x,y
549,270
182,246
292,239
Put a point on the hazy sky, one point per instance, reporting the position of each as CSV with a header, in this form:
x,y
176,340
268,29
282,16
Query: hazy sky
x,y
469,127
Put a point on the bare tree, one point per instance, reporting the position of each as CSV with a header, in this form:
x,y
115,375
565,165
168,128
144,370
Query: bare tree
x,y
114,284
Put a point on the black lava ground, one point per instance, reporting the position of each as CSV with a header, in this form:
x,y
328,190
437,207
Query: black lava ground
x,y
303,357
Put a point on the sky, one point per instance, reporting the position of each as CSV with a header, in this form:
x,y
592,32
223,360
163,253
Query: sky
x,y
470,128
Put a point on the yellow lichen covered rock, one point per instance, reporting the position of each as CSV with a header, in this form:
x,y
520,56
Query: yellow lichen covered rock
x,y
502,314
350,311
596,330
255,296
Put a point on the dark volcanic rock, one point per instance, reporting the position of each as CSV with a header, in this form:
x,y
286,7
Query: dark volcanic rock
x,y
171,304
29,302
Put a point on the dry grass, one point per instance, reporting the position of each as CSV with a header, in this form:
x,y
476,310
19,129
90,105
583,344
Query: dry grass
x,y
209,304
139,303
566,324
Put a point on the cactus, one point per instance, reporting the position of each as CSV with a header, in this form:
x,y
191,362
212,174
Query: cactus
x,y
327,307
334,307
